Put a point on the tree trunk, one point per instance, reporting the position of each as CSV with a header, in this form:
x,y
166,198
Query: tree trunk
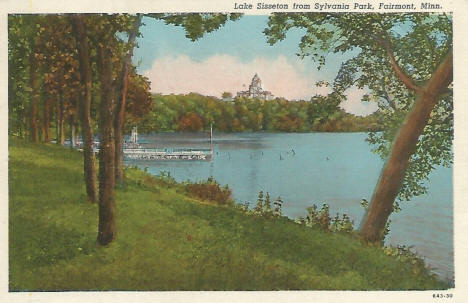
x,y
106,229
57,123
46,120
404,146
35,97
61,121
72,131
85,109
121,101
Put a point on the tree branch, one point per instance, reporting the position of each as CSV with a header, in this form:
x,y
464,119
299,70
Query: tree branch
x,y
385,42
407,81
387,97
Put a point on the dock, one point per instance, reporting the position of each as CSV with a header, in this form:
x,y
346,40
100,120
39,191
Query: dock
x,y
132,150
164,154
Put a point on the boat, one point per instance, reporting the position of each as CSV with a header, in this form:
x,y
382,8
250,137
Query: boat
x,y
133,150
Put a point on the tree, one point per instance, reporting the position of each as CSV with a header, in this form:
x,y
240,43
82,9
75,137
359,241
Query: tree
x,y
79,30
190,122
401,58
23,37
112,114
42,52
195,25
19,90
105,56
58,66
139,99
122,98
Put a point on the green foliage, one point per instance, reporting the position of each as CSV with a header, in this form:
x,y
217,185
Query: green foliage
x,y
168,241
259,208
194,112
22,33
211,191
277,210
320,219
343,224
197,24
417,41
263,206
267,206
48,42
404,254
166,177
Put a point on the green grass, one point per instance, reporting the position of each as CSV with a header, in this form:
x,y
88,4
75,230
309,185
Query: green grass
x,y
169,241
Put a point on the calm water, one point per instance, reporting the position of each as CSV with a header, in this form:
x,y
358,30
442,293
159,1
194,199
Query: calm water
x,y
316,168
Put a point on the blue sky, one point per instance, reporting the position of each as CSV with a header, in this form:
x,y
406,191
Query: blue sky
x,y
227,59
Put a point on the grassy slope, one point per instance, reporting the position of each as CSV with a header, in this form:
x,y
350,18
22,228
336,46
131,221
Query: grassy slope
x,y
168,241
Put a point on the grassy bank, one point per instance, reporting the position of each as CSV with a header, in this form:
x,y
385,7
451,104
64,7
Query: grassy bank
x,y
170,241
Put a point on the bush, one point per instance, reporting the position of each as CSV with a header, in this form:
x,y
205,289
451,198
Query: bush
x,y
210,190
321,219
263,207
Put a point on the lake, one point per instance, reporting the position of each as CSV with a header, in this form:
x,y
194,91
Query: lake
x,y
315,168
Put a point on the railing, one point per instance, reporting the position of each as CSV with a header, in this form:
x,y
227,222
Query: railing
x,y
166,151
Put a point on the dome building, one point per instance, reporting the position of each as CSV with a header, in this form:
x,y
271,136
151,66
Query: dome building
x,y
255,90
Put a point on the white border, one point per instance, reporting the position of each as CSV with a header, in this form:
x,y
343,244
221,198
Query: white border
x,y
460,294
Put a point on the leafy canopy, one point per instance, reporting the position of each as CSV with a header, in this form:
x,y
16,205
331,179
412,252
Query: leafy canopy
x,y
392,54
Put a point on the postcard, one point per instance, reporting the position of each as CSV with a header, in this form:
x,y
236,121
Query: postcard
x,y
233,151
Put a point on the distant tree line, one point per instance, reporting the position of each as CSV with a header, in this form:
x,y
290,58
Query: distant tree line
x,y
195,112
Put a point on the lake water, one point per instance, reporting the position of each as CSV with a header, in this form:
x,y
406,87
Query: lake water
x,y
316,168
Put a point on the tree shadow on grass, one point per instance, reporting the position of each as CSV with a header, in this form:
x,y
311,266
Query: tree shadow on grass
x,y
34,244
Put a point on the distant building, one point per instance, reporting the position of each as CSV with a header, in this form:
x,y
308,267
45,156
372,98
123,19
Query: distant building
x,y
256,90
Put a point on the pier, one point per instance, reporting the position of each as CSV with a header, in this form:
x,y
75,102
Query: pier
x,y
132,150
164,154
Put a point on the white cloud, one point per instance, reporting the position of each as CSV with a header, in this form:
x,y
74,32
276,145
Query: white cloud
x,y
220,73
354,105
225,73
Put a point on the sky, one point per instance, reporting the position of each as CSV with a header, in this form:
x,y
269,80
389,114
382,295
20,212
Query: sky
x,y
227,59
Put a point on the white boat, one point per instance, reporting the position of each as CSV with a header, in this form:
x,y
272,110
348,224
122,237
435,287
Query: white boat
x,y
134,151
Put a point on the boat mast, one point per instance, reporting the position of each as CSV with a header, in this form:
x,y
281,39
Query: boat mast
x,y
211,140
134,136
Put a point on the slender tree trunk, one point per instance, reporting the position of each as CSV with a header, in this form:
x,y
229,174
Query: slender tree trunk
x,y
35,97
121,101
61,120
85,109
46,120
72,130
106,228
57,122
403,147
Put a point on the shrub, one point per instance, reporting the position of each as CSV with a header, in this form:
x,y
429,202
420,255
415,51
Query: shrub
x,y
210,190
263,207
277,210
320,218
345,224
258,209
267,205
404,254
